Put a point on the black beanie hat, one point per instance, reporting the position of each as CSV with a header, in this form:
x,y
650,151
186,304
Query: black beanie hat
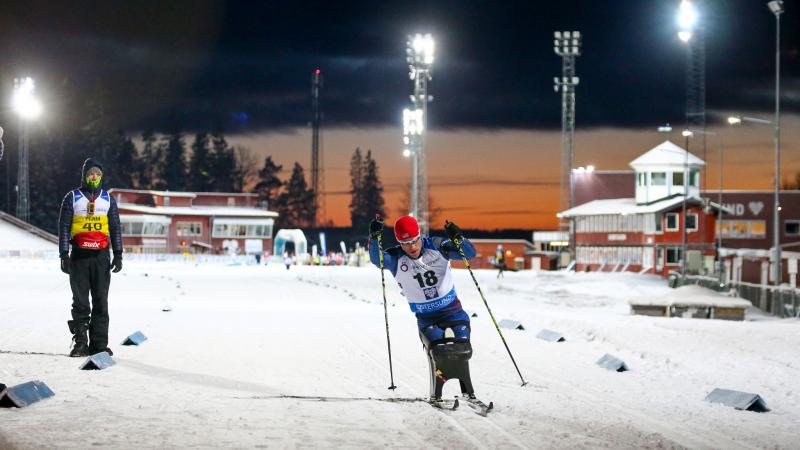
x,y
88,164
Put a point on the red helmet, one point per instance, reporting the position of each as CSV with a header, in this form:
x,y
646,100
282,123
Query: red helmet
x,y
406,229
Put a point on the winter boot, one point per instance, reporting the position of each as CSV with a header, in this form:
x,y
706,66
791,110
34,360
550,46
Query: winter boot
x,y
80,340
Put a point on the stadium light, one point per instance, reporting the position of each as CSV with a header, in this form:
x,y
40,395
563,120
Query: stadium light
x,y
24,102
687,20
687,133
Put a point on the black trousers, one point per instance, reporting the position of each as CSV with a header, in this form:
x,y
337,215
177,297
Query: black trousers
x,y
90,272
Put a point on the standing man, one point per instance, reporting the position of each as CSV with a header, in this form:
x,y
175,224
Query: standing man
x,y
421,266
500,257
89,223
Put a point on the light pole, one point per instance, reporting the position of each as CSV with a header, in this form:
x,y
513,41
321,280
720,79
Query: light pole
x,y
777,270
413,126
776,6
419,55
28,108
567,45
691,32
686,134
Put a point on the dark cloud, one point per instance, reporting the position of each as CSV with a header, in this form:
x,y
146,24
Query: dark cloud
x,y
248,65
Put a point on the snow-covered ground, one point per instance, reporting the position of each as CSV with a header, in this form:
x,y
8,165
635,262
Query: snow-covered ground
x,y
15,238
216,368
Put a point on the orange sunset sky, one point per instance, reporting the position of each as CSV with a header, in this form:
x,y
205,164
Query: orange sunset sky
x,y
509,178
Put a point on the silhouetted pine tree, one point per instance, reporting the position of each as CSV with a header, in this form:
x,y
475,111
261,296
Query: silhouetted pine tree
x,y
223,164
371,192
200,164
173,173
268,183
150,161
357,216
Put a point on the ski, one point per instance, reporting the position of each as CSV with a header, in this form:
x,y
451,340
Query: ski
x,y
445,405
480,408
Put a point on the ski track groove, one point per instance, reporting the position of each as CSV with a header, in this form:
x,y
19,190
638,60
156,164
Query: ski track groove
x,y
453,422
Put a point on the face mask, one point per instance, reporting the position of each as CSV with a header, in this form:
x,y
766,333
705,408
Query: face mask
x,y
94,184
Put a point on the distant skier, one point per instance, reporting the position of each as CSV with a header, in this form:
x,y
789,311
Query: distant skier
x,y
500,260
287,260
421,267
89,223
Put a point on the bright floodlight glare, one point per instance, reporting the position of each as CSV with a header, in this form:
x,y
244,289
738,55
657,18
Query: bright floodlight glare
x,y
687,15
687,133
412,122
423,47
406,152
590,168
734,120
665,128
685,36
24,102
776,6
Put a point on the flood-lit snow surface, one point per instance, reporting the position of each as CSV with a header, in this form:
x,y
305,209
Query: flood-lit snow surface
x,y
214,368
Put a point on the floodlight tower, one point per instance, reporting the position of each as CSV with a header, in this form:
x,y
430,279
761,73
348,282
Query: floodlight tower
x,y
28,108
419,55
692,34
317,174
567,45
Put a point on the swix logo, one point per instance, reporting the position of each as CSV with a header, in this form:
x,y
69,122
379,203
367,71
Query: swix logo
x,y
91,245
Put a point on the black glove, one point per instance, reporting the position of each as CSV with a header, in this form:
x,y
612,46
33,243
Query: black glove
x,y
453,232
116,263
375,227
65,264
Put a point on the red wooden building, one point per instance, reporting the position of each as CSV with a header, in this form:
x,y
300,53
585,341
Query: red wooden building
x,y
194,222
646,233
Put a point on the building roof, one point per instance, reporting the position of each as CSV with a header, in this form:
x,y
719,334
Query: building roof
x,y
152,192
625,206
182,194
223,211
665,154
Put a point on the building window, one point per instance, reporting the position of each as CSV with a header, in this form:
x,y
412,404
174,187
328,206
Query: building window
x,y
658,179
791,228
659,223
691,222
166,201
673,255
189,228
672,222
694,175
242,230
139,228
677,179
743,229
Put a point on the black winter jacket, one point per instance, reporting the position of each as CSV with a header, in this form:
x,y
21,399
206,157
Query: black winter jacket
x,y
65,223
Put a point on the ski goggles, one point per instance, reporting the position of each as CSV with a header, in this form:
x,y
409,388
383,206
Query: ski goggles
x,y
411,241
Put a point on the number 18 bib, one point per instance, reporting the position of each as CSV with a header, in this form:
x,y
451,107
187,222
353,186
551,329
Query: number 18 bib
x,y
426,281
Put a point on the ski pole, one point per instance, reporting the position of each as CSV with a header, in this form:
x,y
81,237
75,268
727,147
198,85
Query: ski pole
x,y
466,263
385,311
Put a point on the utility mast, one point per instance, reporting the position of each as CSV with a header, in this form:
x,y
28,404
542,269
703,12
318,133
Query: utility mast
x,y
317,175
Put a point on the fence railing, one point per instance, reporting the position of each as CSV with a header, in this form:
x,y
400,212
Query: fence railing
x,y
783,301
